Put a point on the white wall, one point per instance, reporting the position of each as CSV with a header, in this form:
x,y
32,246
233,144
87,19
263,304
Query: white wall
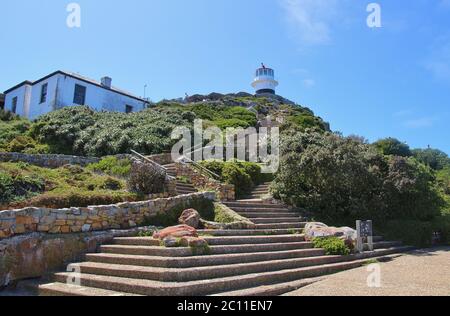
x,y
22,94
60,93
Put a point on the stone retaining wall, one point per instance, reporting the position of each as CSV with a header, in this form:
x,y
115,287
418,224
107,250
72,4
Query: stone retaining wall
x,y
226,192
38,254
92,218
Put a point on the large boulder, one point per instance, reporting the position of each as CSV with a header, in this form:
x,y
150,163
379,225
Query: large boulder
x,y
176,232
190,217
319,230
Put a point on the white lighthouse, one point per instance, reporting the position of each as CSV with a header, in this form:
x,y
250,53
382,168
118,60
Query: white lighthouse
x,y
264,81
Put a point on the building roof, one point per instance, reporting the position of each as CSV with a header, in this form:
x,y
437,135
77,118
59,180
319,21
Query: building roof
x,y
78,77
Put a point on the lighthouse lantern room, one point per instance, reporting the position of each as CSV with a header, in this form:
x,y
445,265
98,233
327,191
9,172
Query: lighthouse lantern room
x,y
264,81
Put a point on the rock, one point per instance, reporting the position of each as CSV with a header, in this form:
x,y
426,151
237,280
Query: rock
x,y
86,228
212,225
196,242
176,232
170,242
315,230
190,217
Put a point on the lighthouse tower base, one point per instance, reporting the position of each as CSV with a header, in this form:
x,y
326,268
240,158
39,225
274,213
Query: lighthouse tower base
x,y
265,91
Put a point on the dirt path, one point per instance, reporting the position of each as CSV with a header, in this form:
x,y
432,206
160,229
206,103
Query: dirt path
x,y
418,273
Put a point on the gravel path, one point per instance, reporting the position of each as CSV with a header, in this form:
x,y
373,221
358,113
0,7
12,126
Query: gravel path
x,y
418,273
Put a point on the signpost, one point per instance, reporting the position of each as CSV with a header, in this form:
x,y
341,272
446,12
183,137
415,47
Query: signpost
x,y
365,234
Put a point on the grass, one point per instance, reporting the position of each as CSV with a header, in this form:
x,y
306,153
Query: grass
x,y
26,185
112,166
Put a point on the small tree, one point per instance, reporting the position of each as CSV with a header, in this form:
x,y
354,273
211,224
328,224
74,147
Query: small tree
x,y
146,178
392,146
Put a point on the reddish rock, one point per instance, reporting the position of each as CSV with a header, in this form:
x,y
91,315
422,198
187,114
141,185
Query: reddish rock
x,y
176,232
190,217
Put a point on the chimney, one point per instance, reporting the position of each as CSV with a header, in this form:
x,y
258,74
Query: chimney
x,y
106,82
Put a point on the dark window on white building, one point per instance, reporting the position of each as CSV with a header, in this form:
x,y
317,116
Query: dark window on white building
x,y
14,105
79,95
128,109
44,88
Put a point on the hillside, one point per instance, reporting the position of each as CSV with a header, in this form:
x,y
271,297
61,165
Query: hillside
x,y
81,131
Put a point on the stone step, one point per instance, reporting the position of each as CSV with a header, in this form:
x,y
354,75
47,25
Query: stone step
x,y
202,273
257,190
256,195
212,240
184,185
262,210
252,204
64,289
136,241
281,245
186,189
185,192
213,286
201,261
248,232
182,192
273,289
252,215
276,220
281,225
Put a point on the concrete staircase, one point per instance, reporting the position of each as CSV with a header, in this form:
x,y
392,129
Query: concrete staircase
x,y
272,259
259,191
182,187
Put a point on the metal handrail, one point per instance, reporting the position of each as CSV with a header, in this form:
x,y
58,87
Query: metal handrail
x,y
198,166
149,161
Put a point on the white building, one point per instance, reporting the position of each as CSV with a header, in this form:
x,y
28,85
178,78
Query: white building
x,y
264,81
60,89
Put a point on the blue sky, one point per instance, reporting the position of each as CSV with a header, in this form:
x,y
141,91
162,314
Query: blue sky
x,y
388,81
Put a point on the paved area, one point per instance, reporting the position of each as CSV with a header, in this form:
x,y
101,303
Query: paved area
x,y
418,273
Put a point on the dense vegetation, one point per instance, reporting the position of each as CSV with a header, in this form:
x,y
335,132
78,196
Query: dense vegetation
x,y
342,179
336,179
25,185
81,131
243,175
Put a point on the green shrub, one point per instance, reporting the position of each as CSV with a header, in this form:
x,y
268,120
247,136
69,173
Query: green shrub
x,y
332,246
145,178
410,232
112,166
11,129
234,174
434,158
27,145
19,187
243,175
342,179
392,146
81,131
